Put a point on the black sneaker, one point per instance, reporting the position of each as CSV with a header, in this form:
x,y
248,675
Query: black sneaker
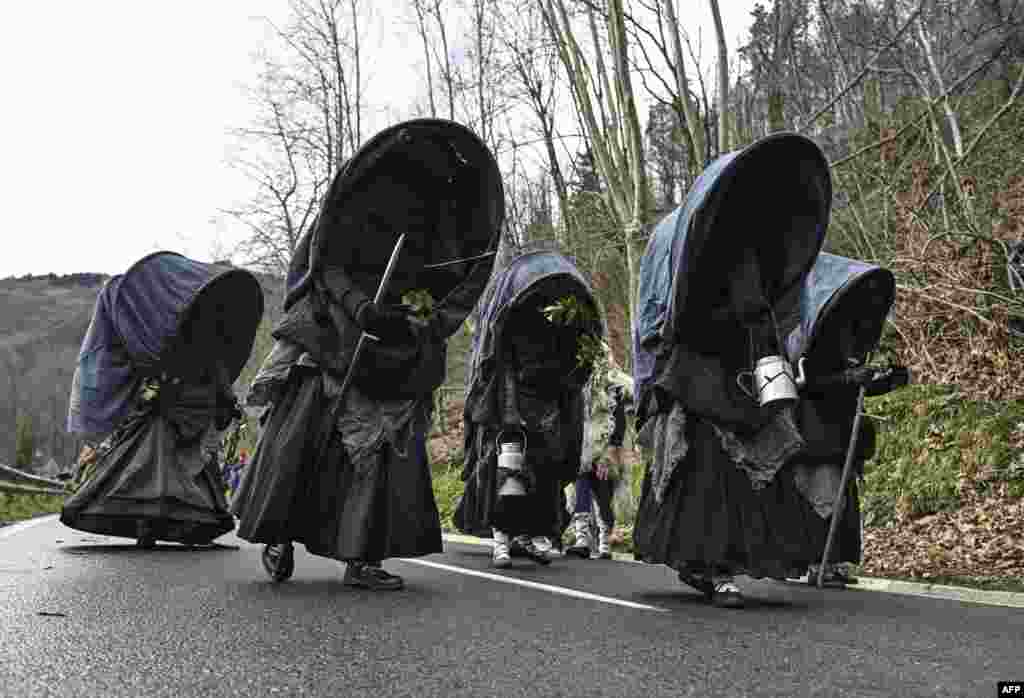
x,y
580,551
832,579
842,573
279,561
701,584
541,557
517,546
727,595
365,576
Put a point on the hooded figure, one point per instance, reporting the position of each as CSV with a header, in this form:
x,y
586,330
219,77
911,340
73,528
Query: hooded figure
x,y
843,311
533,350
607,398
719,291
153,388
344,471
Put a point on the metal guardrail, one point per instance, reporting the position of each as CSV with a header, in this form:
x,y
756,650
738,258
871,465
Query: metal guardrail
x,y
12,488
10,474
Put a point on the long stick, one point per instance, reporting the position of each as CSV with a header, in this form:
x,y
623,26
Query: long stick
x,y
840,501
381,290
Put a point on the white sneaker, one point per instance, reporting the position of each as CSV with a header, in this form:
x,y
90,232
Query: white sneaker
x,y
499,555
604,549
581,528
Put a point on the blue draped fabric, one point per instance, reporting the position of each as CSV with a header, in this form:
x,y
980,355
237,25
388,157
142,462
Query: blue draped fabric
x,y
846,292
167,313
773,195
507,287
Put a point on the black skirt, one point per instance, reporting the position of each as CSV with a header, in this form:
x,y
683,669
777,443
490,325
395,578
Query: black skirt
x,y
302,487
711,519
540,512
152,483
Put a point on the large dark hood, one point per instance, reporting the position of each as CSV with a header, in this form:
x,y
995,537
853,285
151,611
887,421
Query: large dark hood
x,y
772,198
433,180
166,314
538,268
842,312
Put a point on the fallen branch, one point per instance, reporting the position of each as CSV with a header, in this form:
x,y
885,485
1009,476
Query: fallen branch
x,y
970,311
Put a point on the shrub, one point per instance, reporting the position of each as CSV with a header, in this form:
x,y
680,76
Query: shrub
x,y
934,444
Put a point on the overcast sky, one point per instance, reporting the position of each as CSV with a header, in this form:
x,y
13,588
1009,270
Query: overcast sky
x,y
115,116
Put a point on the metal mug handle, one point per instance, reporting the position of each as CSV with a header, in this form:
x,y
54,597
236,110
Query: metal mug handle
x,y
749,392
497,440
801,375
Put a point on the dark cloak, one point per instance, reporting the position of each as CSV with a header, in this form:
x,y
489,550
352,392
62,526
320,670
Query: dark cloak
x,y
515,349
352,481
843,310
720,286
183,329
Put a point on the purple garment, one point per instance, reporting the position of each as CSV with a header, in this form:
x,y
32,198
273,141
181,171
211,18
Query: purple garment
x,y
167,313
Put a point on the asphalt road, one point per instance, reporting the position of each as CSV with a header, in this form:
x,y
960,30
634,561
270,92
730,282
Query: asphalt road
x,y
84,615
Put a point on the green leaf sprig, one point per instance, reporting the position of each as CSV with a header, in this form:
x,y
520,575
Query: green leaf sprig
x,y
149,390
421,302
569,311
591,351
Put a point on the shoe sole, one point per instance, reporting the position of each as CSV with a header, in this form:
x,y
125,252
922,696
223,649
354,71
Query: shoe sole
x,y
372,587
284,568
730,601
360,584
577,553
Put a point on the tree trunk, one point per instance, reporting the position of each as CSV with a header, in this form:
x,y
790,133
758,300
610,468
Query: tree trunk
x,y
694,124
421,26
776,113
616,140
947,108
723,81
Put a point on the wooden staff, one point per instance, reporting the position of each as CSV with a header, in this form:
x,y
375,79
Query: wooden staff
x,y
840,501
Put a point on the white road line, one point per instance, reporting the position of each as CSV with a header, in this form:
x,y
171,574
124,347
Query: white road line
x,y
22,525
564,591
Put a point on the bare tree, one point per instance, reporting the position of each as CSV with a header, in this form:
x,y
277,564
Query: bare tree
x,y
723,80
533,74
287,191
442,53
694,124
768,50
310,103
486,86
607,111
420,8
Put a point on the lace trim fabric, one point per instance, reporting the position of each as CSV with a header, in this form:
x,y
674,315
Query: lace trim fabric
x,y
761,454
818,484
367,424
666,435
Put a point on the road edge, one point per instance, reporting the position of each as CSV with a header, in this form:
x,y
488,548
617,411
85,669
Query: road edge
x,y
1010,599
17,526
